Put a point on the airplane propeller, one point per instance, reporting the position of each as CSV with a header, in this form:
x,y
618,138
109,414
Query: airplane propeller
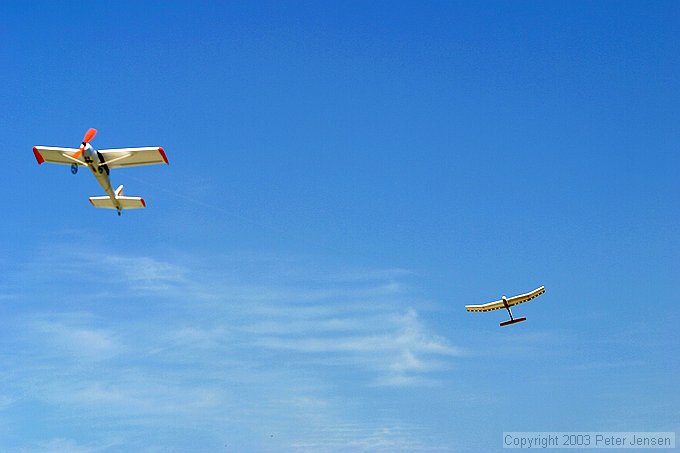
x,y
89,135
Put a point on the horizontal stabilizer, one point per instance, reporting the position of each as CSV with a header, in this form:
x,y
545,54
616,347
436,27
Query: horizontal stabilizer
x,y
122,202
512,321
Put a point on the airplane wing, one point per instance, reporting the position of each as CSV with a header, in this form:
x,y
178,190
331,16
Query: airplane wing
x,y
516,300
132,157
486,307
56,155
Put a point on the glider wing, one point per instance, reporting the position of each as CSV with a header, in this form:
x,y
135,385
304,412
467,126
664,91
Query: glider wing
x,y
486,307
516,300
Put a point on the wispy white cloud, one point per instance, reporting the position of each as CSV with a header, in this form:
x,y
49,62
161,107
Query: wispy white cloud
x,y
367,438
64,445
61,445
174,344
73,334
102,269
396,347
6,401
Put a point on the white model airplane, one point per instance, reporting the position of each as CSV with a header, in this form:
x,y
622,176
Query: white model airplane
x,y
100,163
506,303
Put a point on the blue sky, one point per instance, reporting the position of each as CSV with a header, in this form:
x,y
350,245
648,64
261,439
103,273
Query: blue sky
x,y
344,177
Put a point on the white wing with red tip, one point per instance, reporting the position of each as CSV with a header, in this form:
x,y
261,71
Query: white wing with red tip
x,y
132,157
55,155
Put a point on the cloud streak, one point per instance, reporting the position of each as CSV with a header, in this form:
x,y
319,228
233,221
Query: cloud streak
x,y
175,346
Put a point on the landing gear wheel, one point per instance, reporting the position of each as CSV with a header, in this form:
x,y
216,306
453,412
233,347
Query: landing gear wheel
x,y
74,169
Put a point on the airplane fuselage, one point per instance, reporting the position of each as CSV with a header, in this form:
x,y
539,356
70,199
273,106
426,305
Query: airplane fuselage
x,y
95,162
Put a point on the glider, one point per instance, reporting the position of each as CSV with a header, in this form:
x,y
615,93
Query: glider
x,y
506,303
100,162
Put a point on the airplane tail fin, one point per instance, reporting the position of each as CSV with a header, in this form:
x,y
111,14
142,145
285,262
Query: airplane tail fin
x,y
121,202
